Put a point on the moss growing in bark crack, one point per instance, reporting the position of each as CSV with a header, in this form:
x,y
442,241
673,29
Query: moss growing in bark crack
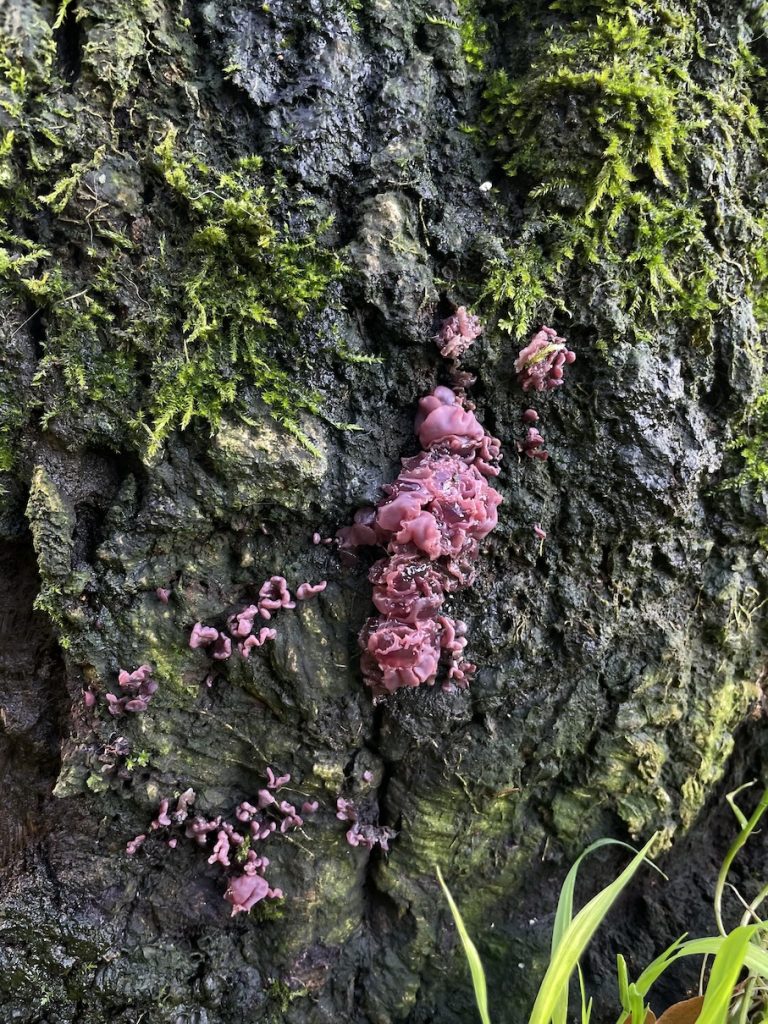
x,y
176,308
598,130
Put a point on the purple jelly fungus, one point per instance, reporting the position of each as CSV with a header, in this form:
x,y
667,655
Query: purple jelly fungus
x,y
137,687
307,590
310,807
162,595
533,445
202,636
133,845
430,523
530,416
539,366
457,334
264,818
245,891
541,534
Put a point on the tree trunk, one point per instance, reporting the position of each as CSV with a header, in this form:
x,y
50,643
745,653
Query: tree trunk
x,y
193,385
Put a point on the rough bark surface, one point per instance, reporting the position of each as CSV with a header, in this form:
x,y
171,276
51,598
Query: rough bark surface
x,y
620,662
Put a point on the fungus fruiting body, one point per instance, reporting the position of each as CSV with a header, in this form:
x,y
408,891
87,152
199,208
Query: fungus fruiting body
x,y
233,843
430,523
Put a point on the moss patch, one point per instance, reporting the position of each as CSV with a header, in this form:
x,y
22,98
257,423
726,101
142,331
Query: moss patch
x,y
598,123
187,275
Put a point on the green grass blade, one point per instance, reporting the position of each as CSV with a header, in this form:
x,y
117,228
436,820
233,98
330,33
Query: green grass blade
x,y
586,1007
747,828
564,915
470,951
755,959
574,940
724,975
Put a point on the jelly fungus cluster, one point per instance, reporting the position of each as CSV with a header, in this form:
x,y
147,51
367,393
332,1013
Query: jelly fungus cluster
x,y
457,333
361,833
273,596
240,842
430,523
137,688
539,366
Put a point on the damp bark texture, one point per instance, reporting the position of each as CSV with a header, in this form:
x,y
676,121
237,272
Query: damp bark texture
x,y
228,233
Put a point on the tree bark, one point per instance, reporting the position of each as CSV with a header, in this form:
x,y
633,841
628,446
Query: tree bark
x,y
156,431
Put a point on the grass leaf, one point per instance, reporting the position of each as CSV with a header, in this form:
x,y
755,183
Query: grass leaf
x,y
724,975
574,939
470,951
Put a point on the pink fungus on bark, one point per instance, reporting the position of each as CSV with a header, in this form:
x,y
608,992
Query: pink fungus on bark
x,y
530,416
202,636
89,698
397,654
345,809
274,594
248,645
241,625
245,891
199,828
133,845
276,781
220,853
309,807
162,820
138,688
246,812
162,595
183,804
457,333
533,445
369,836
316,538
431,522
539,366
307,590
541,534
222,648
265,799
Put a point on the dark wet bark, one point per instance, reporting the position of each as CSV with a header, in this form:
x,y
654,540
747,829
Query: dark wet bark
x,y
620,664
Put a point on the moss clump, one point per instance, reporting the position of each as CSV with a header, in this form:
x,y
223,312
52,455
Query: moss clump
x,y
598,130
188,284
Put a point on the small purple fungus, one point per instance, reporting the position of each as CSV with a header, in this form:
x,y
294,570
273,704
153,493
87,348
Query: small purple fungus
x,y
133,845
274,594
247,646
540,534
533,445
362,833
162,595
309,807
307,590
220,853
457,333
138,687
539,366
202,636
222,648
530,416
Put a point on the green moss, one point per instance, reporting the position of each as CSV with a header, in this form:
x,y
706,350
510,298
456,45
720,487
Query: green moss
x,y
598,130
471,29
196,312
